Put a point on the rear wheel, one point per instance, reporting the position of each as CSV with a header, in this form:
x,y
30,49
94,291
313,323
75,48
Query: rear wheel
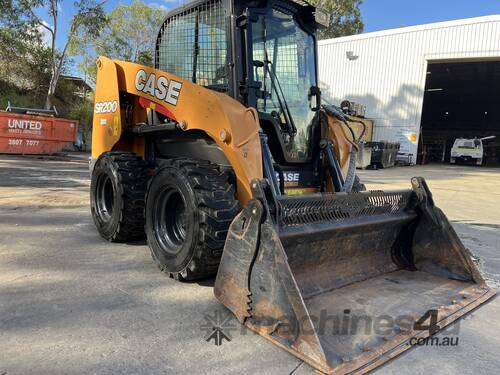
x,y
117,191
189,207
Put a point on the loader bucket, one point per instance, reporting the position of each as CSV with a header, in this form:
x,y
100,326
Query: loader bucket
x,y
340,280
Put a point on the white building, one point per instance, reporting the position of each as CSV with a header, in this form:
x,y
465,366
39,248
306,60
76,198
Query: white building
x,y
423,85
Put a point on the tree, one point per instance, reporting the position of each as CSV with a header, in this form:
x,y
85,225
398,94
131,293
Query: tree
x,y
129,35
89,16
24,59
83,111
345,17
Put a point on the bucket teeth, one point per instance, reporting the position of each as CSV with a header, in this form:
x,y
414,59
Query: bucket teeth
x,y
240,249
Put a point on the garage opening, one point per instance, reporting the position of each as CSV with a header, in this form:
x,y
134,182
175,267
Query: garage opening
x,y
461,100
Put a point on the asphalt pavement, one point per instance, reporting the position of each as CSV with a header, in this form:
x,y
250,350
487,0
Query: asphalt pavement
x,y
72,303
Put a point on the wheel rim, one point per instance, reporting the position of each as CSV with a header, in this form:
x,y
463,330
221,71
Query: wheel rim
x,y
170,220
105,197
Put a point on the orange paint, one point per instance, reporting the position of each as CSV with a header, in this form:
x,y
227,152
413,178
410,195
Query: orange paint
x,y
232,126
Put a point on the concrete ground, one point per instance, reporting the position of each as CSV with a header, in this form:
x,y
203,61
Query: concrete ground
x,y
72,303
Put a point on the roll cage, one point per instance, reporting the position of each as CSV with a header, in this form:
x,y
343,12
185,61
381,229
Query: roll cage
x,y
211,44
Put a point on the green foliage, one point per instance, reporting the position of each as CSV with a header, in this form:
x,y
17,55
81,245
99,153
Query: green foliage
x,y
26,63
89,18
83,110
21,18
76,103
345,17
132,30
129,35
24,60
16,96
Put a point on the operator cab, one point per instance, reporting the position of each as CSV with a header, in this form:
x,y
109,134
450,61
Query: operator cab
x,y
261,53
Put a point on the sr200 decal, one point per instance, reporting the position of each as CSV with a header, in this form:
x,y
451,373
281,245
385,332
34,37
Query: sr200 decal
x,y
106,107
162,88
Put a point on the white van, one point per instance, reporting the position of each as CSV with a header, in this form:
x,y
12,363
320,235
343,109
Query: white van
x,y
468,150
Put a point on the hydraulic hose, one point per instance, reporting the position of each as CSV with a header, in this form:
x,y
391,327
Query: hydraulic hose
x,y
351,171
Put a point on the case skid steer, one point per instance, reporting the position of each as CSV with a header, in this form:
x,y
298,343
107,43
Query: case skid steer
x,y
225,158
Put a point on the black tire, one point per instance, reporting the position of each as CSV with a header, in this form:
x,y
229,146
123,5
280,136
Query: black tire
x,y
357,186
117,192
189,207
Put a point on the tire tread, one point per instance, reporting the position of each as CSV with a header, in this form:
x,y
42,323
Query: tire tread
x,y
133,175
217,206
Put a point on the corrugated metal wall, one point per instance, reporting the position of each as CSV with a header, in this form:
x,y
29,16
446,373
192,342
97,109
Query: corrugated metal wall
x,y
389,71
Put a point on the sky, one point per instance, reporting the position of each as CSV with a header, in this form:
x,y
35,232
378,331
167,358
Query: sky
x,y
388,14
377,14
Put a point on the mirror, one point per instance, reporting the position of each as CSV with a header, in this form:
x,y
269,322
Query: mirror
x,y
314,98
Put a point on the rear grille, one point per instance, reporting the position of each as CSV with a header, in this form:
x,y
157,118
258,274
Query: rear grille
x,y
297,210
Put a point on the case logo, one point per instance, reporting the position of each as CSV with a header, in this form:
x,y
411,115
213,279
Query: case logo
x,y
162,88
289,176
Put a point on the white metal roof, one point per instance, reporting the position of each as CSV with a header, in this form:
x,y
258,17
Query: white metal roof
x,y
411,29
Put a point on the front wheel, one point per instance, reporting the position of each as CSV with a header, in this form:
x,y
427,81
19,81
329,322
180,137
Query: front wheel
x,y
189,207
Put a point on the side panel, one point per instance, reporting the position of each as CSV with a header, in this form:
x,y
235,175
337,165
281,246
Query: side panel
x,y
232,126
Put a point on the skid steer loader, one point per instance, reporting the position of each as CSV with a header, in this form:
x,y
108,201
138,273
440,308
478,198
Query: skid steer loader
x,y
225,158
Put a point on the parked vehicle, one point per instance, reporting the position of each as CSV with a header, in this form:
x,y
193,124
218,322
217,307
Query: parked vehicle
x,y
468,150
